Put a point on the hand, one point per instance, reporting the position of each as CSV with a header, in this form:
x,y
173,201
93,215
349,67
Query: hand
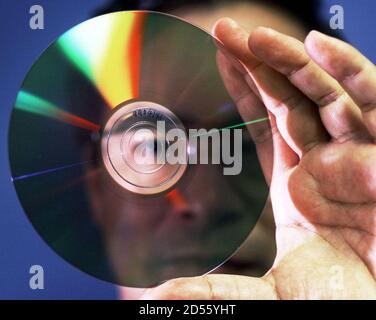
x,y
321,100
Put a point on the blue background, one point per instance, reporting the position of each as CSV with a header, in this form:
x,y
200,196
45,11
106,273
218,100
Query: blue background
x,y
20,245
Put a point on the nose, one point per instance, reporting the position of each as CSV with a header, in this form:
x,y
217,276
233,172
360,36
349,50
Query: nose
x,y
180,205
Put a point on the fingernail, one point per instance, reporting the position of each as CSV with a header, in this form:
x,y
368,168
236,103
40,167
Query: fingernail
x,y
226,24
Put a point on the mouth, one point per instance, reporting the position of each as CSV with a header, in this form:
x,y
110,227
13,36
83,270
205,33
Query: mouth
x,y
193,261
187,266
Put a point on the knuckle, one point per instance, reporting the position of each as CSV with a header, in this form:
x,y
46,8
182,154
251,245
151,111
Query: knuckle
x,y
331,97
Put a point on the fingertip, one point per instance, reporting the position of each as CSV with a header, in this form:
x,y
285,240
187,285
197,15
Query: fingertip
x,y
318,36
321,48
262,30
255,37
314,33
261,37
312,40
232,41
318,43
223,25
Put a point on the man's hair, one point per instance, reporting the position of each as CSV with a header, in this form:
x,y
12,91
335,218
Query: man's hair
x,y
307,12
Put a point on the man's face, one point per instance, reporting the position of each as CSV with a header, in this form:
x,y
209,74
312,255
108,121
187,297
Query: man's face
x,y
185,232
202,222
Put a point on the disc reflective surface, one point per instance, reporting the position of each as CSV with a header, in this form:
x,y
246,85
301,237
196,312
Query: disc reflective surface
x,y
184,228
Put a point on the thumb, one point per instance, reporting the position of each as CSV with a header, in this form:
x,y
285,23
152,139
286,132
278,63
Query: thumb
x,y
252,111
214,287
284,157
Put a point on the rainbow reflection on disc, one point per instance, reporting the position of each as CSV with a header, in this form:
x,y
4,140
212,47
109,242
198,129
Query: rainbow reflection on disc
x,y
187,227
